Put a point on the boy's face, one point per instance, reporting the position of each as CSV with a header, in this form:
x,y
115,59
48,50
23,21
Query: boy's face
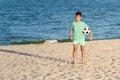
x,y
78,17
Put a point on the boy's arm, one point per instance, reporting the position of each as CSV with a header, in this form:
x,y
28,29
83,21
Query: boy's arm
x,y
91,35
70,33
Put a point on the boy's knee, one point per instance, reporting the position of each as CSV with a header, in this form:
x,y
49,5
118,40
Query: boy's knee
x,y
75,49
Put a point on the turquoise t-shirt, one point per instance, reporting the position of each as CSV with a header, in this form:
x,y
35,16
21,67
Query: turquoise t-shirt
x,y
77,28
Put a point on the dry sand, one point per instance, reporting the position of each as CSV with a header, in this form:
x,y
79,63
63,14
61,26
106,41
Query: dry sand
x,y
54,61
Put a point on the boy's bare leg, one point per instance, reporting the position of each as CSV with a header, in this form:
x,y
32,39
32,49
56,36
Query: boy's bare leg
x,y
83,53
74,53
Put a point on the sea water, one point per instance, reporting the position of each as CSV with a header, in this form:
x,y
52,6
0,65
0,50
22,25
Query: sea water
x,y
51,19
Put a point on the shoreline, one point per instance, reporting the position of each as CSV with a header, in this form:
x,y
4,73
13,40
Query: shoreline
x,y
59,41
25,42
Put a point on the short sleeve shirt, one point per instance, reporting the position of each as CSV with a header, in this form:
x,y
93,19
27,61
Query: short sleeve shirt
x,y
77,28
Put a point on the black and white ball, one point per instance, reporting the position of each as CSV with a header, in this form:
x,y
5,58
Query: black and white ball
x,y
86,30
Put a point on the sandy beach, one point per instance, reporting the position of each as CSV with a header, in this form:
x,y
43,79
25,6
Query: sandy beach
x,y
54,61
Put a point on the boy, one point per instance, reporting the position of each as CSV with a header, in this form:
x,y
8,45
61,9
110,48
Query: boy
x,y
79,38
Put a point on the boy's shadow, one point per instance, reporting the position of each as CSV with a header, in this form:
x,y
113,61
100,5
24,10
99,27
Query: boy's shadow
x,y
36,56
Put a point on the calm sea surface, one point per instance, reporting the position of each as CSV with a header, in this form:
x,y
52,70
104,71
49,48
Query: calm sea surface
x,y
51,19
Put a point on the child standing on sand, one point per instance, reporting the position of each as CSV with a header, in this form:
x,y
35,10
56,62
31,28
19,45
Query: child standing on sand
x,y
79,38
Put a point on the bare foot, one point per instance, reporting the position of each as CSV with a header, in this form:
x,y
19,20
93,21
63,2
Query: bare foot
x,y
74,62
83,62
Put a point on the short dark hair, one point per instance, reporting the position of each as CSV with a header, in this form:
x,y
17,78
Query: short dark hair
x,y
78,13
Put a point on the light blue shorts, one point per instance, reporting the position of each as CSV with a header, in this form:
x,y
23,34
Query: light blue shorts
x,y
79,42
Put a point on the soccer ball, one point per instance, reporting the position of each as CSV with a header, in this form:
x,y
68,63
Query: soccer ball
x,y
86,30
